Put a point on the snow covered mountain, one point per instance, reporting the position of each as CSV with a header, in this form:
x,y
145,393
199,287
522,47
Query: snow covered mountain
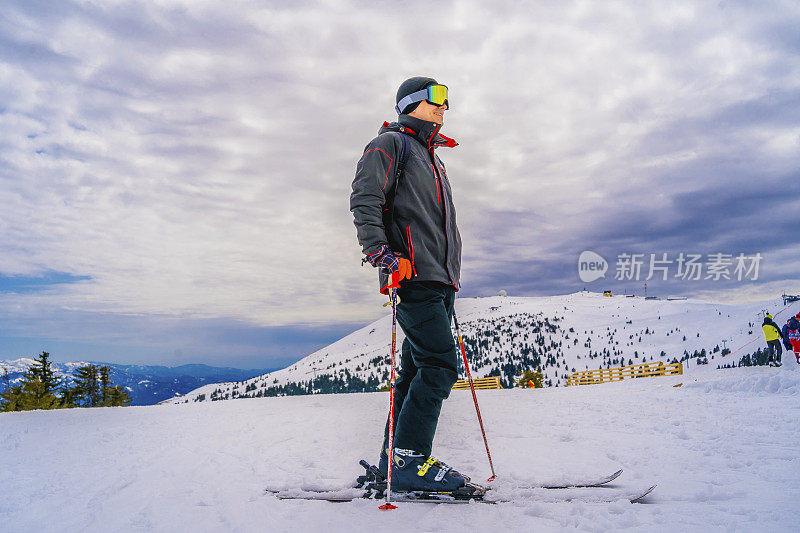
x,y
147,385
558,334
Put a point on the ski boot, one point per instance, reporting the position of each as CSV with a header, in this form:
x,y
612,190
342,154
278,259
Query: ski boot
x,y
383,466
414,472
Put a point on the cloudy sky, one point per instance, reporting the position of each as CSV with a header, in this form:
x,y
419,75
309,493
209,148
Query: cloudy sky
x,y
174,175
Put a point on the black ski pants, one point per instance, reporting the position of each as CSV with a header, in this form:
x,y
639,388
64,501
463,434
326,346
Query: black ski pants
x,y
428,363
775,350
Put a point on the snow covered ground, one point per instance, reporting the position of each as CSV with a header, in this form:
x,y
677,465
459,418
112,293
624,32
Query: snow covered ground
x,y
724,449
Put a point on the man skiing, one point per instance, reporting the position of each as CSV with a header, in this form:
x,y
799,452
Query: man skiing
x,y
773,336
406,224
791,333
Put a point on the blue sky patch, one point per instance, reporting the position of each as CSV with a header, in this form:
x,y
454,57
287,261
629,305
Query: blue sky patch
x,y
30,284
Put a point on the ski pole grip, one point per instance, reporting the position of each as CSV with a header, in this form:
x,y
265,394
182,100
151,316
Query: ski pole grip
x,y
394,282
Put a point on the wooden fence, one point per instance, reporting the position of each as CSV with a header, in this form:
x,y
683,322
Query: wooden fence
x,y
480,383
602,375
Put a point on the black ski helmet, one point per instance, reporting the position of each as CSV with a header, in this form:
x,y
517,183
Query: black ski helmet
x,y
412,85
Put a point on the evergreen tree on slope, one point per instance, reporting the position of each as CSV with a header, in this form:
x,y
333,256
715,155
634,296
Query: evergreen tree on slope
x,y
42,371
87,386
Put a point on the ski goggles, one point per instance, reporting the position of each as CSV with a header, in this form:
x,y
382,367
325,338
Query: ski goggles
x,y
433,94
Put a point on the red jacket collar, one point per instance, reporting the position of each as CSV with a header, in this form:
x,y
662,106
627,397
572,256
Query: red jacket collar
x,y
424,131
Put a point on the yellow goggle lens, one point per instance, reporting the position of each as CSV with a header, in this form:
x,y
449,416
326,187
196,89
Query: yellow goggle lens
x,y
437,94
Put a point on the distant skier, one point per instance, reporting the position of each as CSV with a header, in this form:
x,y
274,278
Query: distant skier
x,y
791,333
773,336
408,226
785,334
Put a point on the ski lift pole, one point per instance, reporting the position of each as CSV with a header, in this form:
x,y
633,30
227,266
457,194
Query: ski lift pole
x,y
388,505
474,396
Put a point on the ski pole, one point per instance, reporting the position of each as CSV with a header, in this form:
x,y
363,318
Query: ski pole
x,y
388,505
474,396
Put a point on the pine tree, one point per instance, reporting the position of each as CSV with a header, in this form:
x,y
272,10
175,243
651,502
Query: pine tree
x,y
536,377
105,386
35,393
30,394
10,398
38,386
68,396
42,370
6,379
118,396
87,386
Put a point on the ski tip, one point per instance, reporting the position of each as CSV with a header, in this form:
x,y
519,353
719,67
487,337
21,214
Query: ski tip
x,y
646,493
492,478
387,507
609,479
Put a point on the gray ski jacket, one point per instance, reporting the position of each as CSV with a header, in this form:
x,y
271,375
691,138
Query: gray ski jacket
x,y
422,227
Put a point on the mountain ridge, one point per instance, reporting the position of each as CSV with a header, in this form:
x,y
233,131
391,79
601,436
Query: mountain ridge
x,y
505,335
147,384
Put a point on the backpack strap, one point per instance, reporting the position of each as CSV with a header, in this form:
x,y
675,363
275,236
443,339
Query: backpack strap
x,y
388,206
398,175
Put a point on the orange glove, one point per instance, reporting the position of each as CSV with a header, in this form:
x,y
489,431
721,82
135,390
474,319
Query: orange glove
x,y
404,271
393,264
397,267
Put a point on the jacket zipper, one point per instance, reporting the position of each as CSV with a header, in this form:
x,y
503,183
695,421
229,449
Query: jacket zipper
x,y
444,203
438,185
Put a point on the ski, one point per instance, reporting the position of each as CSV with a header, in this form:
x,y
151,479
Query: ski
x,y
336,495
374,480
540,495
377,490
572,494
596,482
372,485
397,497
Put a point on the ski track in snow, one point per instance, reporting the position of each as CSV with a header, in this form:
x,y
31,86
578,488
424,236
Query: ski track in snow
x,y
723,449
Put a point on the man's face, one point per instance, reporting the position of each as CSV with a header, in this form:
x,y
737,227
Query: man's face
x,y
429,112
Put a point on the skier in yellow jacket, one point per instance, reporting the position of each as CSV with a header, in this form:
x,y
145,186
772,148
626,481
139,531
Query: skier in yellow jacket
x,y
773,336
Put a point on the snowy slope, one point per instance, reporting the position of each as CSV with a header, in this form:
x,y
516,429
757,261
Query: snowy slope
x,y
505,335
723,449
